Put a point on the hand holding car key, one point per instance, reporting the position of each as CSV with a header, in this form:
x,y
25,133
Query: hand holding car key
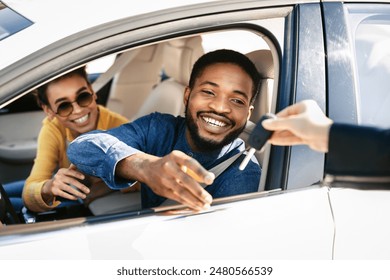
x,y
257,139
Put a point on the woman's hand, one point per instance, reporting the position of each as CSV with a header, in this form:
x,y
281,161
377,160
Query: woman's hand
x,y
65,183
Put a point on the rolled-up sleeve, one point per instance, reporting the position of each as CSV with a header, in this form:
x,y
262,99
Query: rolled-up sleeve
x,y
97,153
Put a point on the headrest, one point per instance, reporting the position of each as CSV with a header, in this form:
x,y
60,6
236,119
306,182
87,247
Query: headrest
x,y
263,62
179,57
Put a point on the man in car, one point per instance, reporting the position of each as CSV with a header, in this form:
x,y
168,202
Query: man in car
x,y
170,155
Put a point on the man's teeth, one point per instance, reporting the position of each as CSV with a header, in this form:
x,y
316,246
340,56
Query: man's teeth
x,y
214,122
82,119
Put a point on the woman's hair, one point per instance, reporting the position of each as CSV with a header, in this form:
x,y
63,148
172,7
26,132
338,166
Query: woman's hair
x,y
41,92
227,56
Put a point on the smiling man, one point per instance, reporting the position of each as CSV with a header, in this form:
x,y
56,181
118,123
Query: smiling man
x,y
170,155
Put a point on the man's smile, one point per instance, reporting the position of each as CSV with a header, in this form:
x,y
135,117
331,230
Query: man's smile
x,y
214,122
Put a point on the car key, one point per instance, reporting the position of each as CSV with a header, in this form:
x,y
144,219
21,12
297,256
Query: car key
x,y
257,139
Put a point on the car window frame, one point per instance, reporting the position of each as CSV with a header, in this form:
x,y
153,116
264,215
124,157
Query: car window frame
x,y
118,42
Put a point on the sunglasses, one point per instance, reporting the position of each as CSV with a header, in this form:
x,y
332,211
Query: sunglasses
x,y
66,108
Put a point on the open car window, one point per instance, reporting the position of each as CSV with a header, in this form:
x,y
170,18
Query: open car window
x,y
129,86
132,87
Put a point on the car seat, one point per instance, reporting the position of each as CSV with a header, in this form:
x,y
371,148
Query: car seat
x,y
134,82
178,58
264,63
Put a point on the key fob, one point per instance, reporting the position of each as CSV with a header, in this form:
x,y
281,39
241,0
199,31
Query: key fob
x,y
260,135
257,139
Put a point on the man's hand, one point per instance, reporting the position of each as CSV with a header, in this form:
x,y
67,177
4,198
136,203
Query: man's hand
x,y
175,176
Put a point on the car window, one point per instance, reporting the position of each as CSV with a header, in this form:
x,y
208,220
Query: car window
x,y
100,65
147,66
372,49
11,22
239,40
264,35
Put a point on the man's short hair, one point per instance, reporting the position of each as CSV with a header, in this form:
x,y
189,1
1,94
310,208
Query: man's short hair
x,y
227,56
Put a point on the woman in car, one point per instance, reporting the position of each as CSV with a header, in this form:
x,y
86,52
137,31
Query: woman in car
x,y
71,109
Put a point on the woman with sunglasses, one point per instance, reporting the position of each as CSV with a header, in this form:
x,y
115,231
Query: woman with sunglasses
x,y
71,109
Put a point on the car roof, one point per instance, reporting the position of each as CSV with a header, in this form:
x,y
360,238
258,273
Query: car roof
x,y
54,20
95,12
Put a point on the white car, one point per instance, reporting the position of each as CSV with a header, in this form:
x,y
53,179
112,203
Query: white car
x,y
334,52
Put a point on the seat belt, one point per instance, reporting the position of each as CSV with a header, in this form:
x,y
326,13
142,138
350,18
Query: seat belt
x,y
217,170
221,167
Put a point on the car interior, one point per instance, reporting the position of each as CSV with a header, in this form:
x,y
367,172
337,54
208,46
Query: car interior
x,y
133,83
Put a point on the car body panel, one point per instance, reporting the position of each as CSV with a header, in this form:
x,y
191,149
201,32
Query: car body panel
x,y
301,220
341,75
310,70
360,230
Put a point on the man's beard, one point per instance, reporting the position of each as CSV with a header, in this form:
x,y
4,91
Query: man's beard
x,y
206,145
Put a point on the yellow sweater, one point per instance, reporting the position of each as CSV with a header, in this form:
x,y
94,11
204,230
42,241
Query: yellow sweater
x,y
51,155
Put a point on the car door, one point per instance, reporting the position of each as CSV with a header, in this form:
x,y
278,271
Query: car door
x,y
358,82
279,225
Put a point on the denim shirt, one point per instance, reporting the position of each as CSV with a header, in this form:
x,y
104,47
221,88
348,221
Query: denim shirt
x,y
97,153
